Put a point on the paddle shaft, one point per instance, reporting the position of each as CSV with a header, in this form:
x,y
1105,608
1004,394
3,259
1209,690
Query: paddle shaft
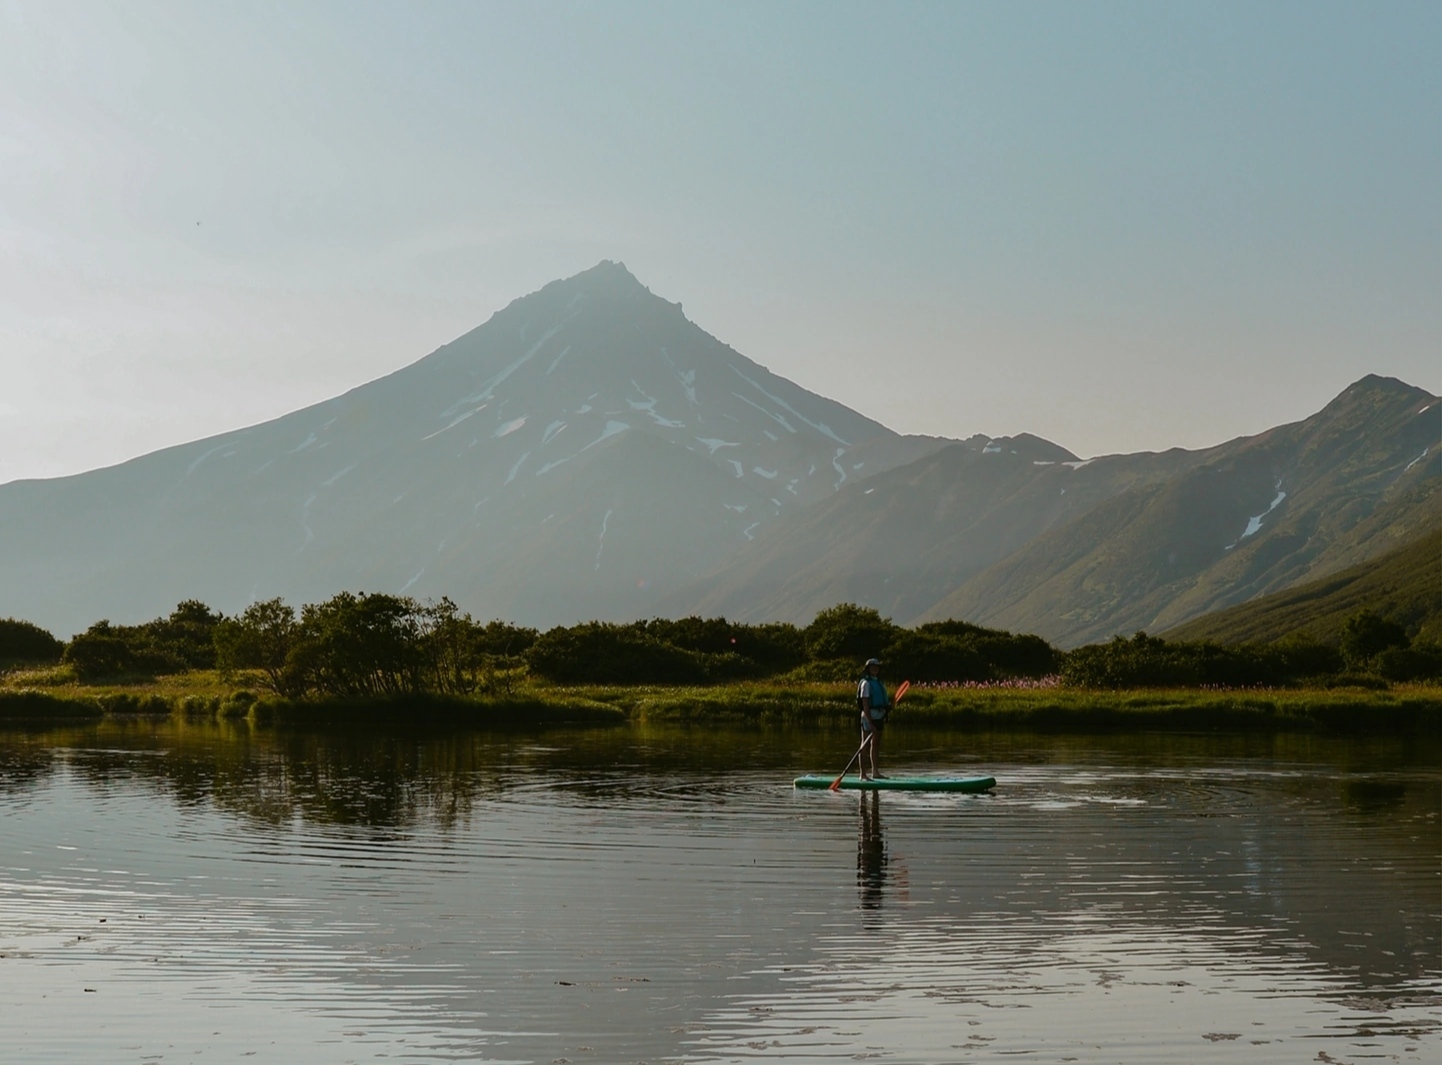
x,y
836,784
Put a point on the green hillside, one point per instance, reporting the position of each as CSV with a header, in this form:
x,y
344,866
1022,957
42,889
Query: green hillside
x,y
1404,585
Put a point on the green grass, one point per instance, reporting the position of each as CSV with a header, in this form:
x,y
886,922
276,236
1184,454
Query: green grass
x,y
1404,585
1395,709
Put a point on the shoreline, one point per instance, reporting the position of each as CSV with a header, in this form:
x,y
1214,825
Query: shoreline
x,y
1403,709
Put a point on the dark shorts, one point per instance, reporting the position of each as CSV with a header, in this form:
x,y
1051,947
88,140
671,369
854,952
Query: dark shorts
x,y
869,726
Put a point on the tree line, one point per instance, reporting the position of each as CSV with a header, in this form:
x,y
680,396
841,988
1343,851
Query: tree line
x,y
375,644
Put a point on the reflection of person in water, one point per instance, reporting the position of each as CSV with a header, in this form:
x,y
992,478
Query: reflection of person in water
x,y
871,856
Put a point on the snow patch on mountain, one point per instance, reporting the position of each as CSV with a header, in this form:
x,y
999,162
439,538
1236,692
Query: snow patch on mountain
x,y
820,427
456,421
489,388
647,403
1254,523
770,475
557,360
196,464
337,476
601,540
769,413
510,427
612,428
686,377
551,431
516,468
713,444
1419,458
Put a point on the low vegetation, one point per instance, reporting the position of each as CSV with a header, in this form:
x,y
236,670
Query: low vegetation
x,y
375,656
1403,586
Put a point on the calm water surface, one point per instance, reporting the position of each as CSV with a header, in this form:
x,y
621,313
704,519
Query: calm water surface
x,y
204,893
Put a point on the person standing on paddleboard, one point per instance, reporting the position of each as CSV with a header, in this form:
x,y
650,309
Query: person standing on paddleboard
x,y
874,705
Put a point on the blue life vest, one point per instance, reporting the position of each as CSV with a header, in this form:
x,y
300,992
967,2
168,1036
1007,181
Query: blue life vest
x,y
871,694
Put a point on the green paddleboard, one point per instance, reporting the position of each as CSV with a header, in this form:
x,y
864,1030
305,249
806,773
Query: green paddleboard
x,y
901,783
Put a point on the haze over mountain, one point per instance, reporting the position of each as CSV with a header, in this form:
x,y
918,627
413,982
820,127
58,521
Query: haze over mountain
x,y
582,452
588,452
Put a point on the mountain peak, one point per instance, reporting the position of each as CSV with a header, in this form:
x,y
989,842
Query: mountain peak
x,y
607,279
1377,384
1363,398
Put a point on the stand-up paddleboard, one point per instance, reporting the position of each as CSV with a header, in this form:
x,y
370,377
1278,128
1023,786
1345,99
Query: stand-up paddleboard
x,y
901,783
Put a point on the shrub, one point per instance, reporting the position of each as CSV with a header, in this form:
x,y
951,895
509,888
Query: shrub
x,y
1420,662
929,656
174,644
1366,634
602,653
25,642
1149,662
261,638
99,654
848,631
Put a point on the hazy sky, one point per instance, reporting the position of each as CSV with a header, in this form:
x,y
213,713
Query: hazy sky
x,y
1119,226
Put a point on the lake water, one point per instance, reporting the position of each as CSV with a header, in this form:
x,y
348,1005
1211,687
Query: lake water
x,y
186,892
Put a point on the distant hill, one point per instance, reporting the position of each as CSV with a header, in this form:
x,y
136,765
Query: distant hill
x,y
1019,534
1404,585
1258,515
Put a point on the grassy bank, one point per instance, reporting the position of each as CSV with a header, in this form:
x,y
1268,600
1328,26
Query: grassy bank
x,y
1401,708
1398,709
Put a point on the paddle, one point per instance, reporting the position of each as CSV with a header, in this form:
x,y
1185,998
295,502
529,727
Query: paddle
x,y
836,784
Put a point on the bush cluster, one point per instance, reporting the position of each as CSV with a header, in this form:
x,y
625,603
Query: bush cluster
x,y
174,644
25,643
1149,662
833,646
1372,651
370,645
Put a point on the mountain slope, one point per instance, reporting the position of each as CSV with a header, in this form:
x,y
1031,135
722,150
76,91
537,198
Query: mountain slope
x,y
584,450
1260,514
904,538
1404,585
